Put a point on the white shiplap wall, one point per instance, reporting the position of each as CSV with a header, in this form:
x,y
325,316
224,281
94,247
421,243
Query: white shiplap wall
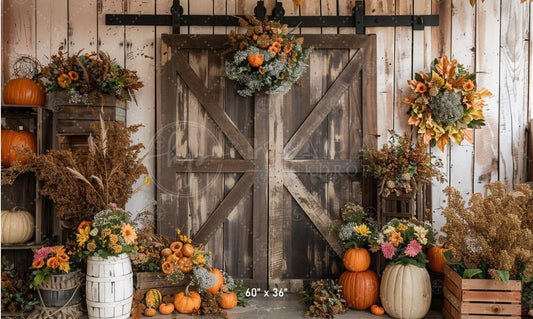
x,y
491,39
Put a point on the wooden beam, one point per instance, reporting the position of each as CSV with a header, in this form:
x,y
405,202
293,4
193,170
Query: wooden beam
x,y
314,210
322,166
323,107
214,166
218,115
223,210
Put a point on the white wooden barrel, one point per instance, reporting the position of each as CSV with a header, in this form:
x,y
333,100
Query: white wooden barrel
x,y
109,287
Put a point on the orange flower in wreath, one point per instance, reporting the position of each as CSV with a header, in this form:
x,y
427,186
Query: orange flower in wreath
x,y
73,75
63,80
421,87
275,47
288,48
468,85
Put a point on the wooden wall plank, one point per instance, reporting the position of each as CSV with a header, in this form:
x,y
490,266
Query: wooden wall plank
x,y
345,8
310,8
52,28
384,67
140,56
328,8
18,33
513,92
111,39
463,40
83,26
440,45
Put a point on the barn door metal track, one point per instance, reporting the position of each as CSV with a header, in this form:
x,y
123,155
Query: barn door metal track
x,y
358,19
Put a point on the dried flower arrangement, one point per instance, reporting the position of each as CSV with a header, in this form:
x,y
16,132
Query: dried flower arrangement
x,y
446,104
267,55
492,236
109,234
355,229
402,241
399,165
17,295
81,186
323,299
88,76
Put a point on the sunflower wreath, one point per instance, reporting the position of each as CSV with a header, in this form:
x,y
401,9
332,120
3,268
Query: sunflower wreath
x,y
266,56
446,104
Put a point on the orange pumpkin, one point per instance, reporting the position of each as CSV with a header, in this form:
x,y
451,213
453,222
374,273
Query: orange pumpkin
x,y
23,91
12,138
187,250
166,252
377,310
185,265
255,60
356,259
228,300
436,257
172,259
168,267
176,246
216,287
166,308
360,289
187,302
150,312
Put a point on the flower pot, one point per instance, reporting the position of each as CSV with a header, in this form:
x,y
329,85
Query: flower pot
x,y
405,291
109,287
62,290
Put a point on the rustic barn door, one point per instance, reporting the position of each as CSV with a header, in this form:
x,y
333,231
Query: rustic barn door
x,y
259,179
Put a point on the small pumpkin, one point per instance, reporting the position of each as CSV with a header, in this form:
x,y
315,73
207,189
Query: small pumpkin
x,y
187,302
356,259
172,259
255,60
150,312
176,246
153,298
228,300
436,257
377,310
216,287
23,91
166,308
168,267
187,250
18,226
360,289
185,265
22,139
166,252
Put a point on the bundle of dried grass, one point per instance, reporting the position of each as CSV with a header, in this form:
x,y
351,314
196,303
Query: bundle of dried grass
x,y
496,230
81,186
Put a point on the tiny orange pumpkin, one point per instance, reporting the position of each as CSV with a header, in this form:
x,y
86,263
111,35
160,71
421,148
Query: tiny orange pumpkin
x,y
216,287
150,312
228,300
176,246
185,265
255,60
377,310
166,252
187,302
166,308
187,250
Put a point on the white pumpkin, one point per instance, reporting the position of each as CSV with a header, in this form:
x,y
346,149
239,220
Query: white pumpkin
x,y
405,291
18,226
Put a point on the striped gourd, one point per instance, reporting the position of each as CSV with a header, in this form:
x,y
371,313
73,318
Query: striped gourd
x,y
153,298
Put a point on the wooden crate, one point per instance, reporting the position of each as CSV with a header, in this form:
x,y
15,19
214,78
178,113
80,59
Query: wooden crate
x,y
76,117
145,281
480,298
405,206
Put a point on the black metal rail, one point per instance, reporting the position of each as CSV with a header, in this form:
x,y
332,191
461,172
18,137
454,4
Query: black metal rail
x,y
358,19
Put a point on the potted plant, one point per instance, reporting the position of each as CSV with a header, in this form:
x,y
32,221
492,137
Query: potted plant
x,y
106,243
405,285
56,277
492,238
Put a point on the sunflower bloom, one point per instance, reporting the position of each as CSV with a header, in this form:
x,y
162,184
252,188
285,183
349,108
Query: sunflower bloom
x,y
396,238
129,234
63,80
37,263
363,230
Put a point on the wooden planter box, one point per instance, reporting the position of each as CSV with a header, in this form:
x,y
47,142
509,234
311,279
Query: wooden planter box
x,y
145,281
480,298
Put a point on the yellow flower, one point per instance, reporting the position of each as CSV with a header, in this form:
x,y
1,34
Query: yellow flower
x,y
113,239
396,238
183,238
200,259
83,235
117,249
64,266
401,227
178,231
129,234
147,180
363,230
91,246
105,232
